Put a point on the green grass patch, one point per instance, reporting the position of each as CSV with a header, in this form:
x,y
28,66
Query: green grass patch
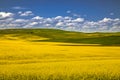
x,y
54,35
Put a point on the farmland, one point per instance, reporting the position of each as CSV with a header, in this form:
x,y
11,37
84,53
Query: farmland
x,y
49,54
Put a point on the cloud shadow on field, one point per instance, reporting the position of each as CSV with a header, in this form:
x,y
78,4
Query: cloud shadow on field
x,y
55,35
99,41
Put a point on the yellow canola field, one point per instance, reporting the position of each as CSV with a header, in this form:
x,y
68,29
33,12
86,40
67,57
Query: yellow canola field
x,y
23,60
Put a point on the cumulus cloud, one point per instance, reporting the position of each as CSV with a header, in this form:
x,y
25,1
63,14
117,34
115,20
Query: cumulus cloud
x,y
26,13
106,20
20,21
104,25
30,25
60,22
78,20
4,15
37,18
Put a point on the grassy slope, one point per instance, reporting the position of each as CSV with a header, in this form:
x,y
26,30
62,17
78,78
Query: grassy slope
x,y
66,36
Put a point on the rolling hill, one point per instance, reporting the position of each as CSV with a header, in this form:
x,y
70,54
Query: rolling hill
x,y
54,35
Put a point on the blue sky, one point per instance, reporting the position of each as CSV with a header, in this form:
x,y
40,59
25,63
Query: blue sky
x,y
89,10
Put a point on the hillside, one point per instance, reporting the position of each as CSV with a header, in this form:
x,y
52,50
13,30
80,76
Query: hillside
x,y
54,35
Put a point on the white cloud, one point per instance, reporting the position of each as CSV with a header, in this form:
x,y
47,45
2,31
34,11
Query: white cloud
x,y
78,20
20,12
111,14
37,18
48,25
62,22
18,7
70,24
58,17
68,11
68,18
75,15
4,15
33,23
106,20
26,13
20,21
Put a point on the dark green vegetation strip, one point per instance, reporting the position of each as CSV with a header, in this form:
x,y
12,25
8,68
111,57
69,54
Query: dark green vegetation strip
x,y
54,35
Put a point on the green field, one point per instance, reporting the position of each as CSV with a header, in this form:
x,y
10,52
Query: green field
x,y
49,54
53,35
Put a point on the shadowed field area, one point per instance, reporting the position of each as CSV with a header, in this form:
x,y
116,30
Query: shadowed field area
x,y
47,54
52,35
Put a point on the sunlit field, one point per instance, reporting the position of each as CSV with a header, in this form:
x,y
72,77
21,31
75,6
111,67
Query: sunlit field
x,y
37,56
